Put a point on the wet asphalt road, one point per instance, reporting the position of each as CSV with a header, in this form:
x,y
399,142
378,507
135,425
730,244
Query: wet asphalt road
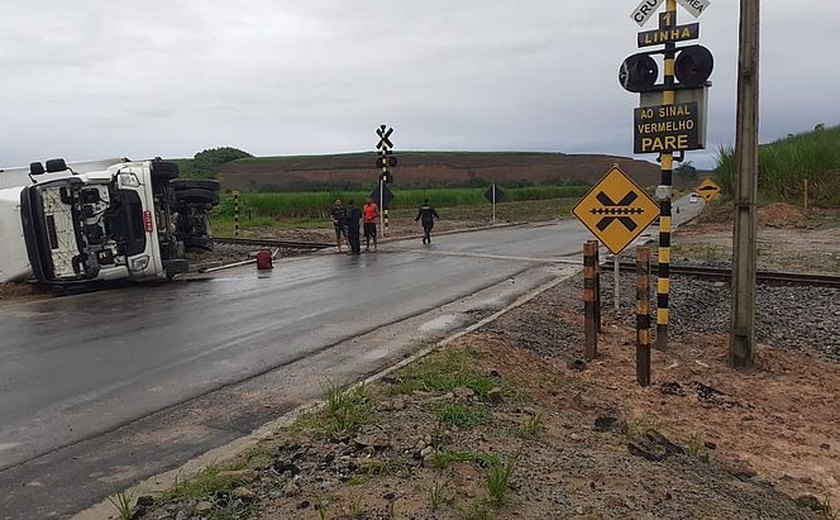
x,y
75,367
79,371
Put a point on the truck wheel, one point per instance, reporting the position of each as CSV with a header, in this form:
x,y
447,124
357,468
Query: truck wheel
x,y
203,243
176,266
164,171
189,184
197,196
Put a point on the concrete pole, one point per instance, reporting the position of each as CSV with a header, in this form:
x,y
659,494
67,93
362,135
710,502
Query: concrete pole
x,y
742,344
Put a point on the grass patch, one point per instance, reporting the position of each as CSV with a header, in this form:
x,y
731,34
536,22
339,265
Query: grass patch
x,y
695,446
122,503
533,427
203,484
637,427
498,480
315,205
784,165
462,416
444,372
444,458
438,495
344,411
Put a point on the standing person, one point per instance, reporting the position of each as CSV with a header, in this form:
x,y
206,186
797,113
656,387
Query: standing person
x,y
427,215
370,212
354,214
338,215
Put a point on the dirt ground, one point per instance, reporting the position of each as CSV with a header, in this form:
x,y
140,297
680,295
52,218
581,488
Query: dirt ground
x,y
508,422
789,239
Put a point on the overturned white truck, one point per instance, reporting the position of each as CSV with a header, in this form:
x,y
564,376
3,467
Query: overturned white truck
x,y
127,220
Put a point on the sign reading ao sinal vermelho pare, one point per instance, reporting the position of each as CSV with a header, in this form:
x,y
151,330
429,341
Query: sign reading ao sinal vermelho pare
x,y
666,128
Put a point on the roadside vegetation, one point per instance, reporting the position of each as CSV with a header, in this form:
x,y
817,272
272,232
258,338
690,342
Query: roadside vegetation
x,y
785,165
308,210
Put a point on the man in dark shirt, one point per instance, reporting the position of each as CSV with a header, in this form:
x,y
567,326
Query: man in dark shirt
x,y
427,215
338,215
354,215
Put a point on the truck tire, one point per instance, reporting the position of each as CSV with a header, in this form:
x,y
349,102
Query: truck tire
x,y
189,184
174,267
164,171
197,196
203,243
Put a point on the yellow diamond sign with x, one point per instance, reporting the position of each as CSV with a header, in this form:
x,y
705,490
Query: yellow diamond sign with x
x,y
709,190
616,210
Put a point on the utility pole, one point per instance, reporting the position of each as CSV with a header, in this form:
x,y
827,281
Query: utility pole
x,y
744,249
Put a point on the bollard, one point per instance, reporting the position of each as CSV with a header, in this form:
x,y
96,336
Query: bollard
x,y
590,327
597,286
236,196
643,316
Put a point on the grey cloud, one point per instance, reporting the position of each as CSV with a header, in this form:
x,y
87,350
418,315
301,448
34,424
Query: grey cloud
x,y
108,78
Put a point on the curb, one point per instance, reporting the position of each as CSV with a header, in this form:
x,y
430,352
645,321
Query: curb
x,y
163,481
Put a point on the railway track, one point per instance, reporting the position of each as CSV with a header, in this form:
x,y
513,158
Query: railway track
x,y
266,242
717,273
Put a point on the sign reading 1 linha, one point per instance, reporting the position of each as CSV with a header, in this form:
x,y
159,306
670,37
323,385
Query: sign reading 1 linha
x,y
666,128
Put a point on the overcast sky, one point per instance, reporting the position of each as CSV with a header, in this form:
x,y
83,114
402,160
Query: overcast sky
x,y
93,79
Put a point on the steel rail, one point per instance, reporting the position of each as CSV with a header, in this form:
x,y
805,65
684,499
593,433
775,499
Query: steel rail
x,y
288,244
722,273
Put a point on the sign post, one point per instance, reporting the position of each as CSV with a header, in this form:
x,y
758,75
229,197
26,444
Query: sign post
x,y
494,195
385,160
675,124
616,211
709,190
494,203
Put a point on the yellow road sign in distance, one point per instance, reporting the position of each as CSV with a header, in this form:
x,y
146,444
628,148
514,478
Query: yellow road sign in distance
x,y
709,190
616,210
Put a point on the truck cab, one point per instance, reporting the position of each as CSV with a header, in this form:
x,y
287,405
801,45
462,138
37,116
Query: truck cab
x,y
132,220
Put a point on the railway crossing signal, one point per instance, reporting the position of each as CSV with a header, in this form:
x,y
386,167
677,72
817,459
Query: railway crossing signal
x,y
616,210
670,122
709,190
384,135
384,195
385,160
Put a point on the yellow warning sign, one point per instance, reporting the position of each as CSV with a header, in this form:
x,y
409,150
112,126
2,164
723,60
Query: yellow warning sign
x,y
616,210
709,190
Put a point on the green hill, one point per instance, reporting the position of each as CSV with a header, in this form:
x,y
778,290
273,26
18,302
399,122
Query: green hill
x,y
355,171
785,165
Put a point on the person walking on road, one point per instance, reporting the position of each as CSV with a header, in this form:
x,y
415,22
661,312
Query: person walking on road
x,y
338,215
427,215
354,215
370,212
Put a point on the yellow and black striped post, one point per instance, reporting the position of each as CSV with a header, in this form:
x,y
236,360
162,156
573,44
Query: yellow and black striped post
x,y
383,213
598,327
643,316
236,196
590,327
663,287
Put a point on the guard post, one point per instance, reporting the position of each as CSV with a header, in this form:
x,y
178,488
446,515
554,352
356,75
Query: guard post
x,y
590,327
236,205
597,285
643,335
